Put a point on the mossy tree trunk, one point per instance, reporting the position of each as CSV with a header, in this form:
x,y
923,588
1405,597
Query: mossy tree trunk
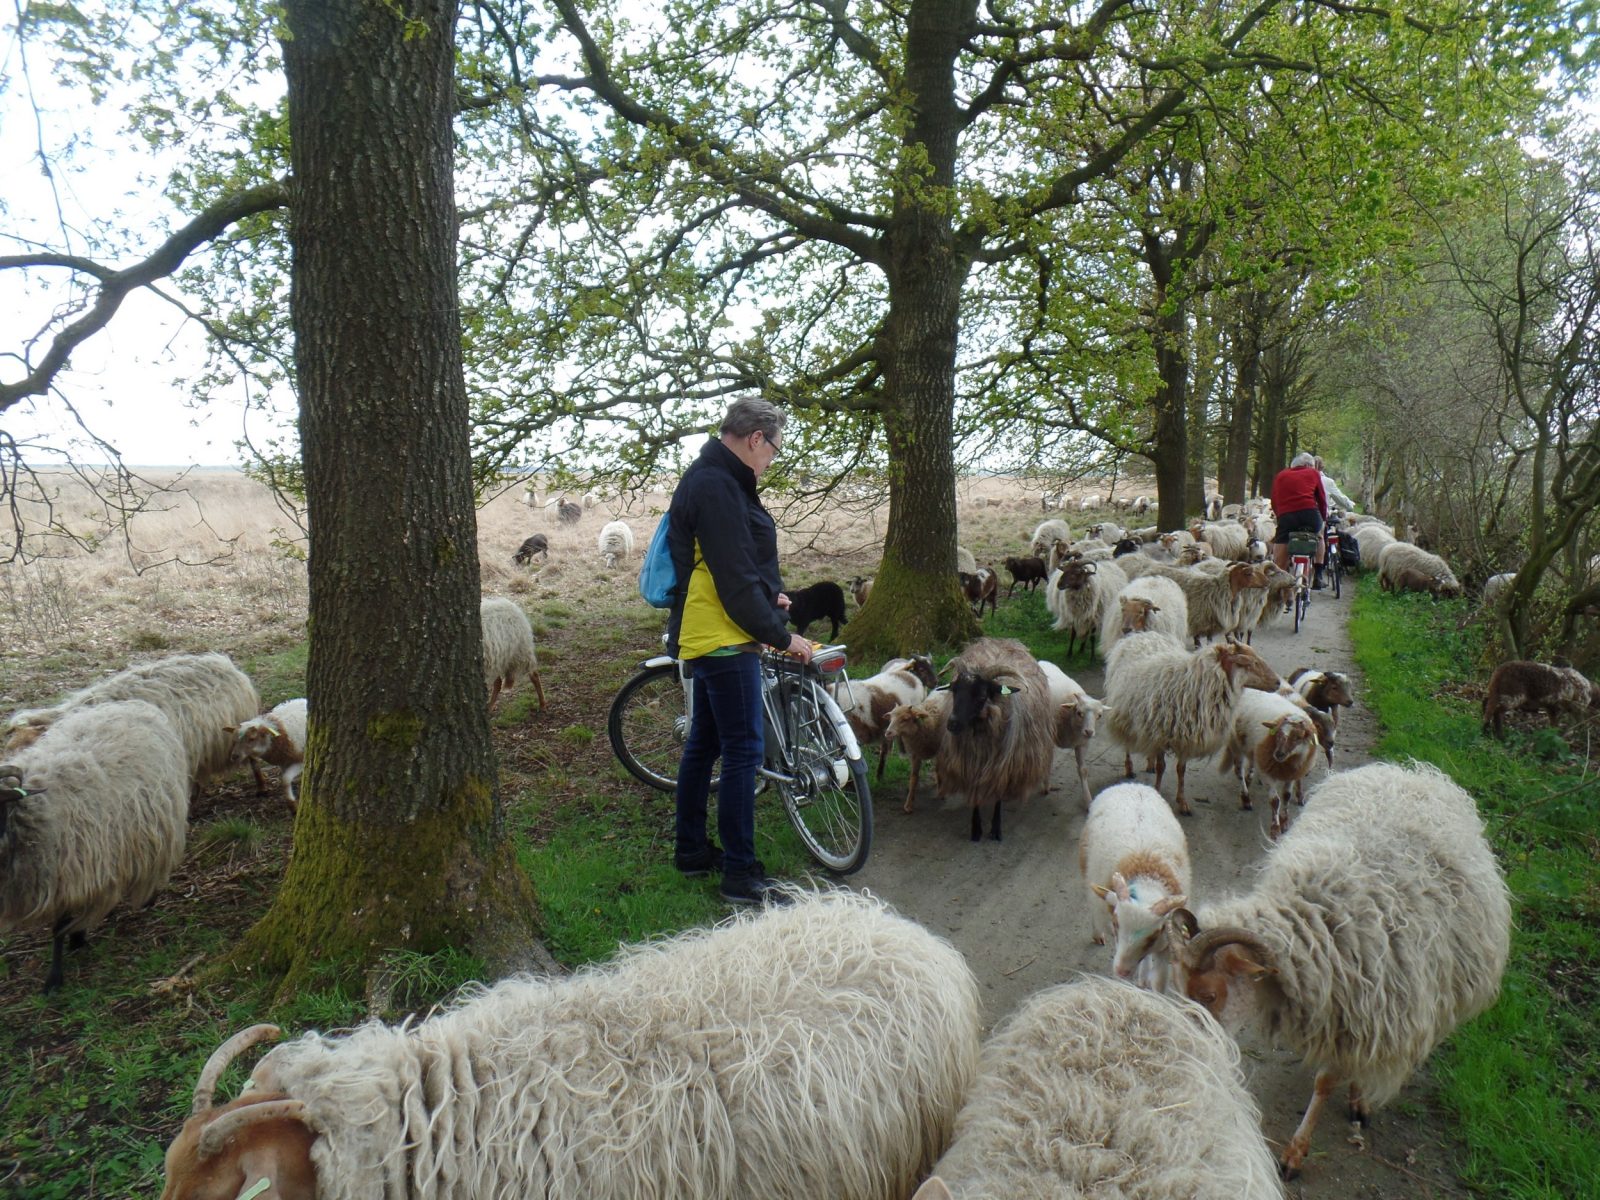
x,y
400,840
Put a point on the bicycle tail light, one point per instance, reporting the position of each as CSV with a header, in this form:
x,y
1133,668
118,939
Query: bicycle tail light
x,y
829,659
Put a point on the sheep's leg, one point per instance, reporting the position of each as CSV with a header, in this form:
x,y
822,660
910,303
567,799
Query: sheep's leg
x,y
261,779
994,821
1161,767
1360,1113
883,759
1294,1154
494,694
58,946
1183,805
538,686
1127,765
1083,777
977,823
911,784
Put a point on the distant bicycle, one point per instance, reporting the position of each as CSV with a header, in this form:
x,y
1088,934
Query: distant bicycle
x,y
1302,557
812,757
1334,560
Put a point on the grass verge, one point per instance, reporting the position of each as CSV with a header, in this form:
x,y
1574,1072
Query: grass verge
x,y
1524,1078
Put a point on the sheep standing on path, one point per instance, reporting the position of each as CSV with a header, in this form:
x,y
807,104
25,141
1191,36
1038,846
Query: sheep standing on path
x,y
1134,859
508,651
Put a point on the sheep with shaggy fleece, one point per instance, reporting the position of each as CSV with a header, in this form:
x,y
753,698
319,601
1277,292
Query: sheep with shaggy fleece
x,y
200,695
1377,925
867,703
919,730
1134,859
96,811
1397,558
1147,604
1220,598
1227,539
1079,594
508,651
1372,538
1277,738
816,1049
1076,714
1165,698
1097,1089
276,738
999,740
1046,534
615,542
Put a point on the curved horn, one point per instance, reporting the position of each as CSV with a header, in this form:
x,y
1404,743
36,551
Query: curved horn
x,y
206,1087
215,1135
1208,941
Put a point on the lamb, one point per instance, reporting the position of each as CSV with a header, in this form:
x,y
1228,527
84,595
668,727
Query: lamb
x,y
980,588
861,588
1134,860
1377,925
537,544
1164,698
1076,714
1328,691
1027,570
1097,1089
507,648
96,811
615,542
1148,604
868,702
277,738
1525,686
816,1049
1000,743
1277,737
919,729
1047,534
200,695
824,599
1079,594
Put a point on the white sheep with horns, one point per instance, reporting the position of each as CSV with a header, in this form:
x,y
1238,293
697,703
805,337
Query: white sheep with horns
x,y
818,1049
1098,1089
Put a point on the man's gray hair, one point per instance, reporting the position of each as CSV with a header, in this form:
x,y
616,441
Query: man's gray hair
x,y
1304,459
745,417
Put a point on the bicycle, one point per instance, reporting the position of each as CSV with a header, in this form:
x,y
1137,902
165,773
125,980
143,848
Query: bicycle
x,y
1335,563
1302,554
812,757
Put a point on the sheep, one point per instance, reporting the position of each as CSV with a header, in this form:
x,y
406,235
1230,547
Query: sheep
x,y
1134,860
1108,532
1148,603
1227,539
1525,686
1027,570
919,729
1162,697
1409,579
1090,502
1277,737
820,1048
1328,691
277,738
615,542
1000,743
1377,925
1076,715
507,647
1494,587
1140,505
868,702
1096,1089
861,588
568,513
1372,537
1079,594
537,544
1047,534
96,811
553,506
808,604
1217,597
200,695
1213,506
980,588
1399,557
1126,546
965,562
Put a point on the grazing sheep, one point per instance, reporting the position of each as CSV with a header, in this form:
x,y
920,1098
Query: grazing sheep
x,y
615,542
1371,538
1140,505
999,745
1148,604
919,729
1027,570
537,544
980,588
1097,1089
1164,698
1409,579
507,648
861,588
1134,860
824,599
1078,596
276,738
568,513
868,702
96,811
820,1048
1076,715
1524,686
1276,737
1377,925
1495,586
200,695
1046,534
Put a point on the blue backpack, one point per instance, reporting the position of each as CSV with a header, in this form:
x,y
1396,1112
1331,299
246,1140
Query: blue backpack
x,y
658,578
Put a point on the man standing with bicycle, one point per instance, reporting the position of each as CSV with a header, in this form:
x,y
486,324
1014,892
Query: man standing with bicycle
x,y
729,603
1300,506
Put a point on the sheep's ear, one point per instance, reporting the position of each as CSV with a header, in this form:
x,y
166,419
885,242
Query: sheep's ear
x,y
1236,960
230,729
1101,890
934,1189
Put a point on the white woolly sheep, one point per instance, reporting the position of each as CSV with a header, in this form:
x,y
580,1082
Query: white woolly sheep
x,y
861,588
1135,863
1494,587
1399,557
1148,604
868,702
93,813
1079,594
508,651
1046,534
1276,737
1164,698
1098,1089
200,695
276,738
1372,538
1227,539
965,562
1213,506
615,542
1090,502
1377,925
1222,598
819,1049
1000,740
1076,715
919,729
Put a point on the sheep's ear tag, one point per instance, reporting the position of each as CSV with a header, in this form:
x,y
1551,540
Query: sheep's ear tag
x,y
1006,689
250,1193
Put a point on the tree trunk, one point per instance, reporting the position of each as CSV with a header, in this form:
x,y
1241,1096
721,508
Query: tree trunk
x,y
400,840
1246,341
1173,499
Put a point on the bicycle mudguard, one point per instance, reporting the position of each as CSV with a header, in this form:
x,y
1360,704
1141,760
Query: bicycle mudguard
x,y
847,736
659,660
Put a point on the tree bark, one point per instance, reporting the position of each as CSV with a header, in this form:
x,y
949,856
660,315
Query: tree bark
x,y
1171,420
400,840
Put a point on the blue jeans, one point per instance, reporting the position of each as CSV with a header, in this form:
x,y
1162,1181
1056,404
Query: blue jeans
x,y
727,724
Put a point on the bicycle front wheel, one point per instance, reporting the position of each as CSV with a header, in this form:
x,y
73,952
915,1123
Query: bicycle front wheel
x,y
648,725
828,803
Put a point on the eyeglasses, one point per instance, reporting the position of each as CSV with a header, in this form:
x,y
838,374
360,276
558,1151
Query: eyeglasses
x,y
775,443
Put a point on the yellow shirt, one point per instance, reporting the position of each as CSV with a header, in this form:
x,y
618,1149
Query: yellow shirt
x,y
706,626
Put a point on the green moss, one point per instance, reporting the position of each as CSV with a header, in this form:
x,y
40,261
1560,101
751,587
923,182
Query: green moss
x,y
396,731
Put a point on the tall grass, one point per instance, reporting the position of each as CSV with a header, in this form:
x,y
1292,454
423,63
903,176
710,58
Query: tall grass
x,y
1524,1078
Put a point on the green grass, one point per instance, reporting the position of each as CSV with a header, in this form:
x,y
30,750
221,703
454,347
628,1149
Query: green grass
x,y
1524,1078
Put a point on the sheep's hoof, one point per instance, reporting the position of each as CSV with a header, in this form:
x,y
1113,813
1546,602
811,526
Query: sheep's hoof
x,y
1246,806
1098,940
1287,1173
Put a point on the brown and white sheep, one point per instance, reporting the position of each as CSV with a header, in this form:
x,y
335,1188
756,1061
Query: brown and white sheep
x,y
1523,686
868,702
276,738
1275,737
919,730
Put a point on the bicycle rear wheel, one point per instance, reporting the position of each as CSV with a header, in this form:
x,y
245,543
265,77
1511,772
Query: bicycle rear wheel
x,y
1336,569
648,724
829,802
1302,601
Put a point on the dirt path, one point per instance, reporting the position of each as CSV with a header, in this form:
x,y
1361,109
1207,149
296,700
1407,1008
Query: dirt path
x,y
1019,912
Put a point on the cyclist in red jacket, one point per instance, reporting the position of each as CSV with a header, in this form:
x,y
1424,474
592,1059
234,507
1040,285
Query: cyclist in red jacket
x,y
1301,506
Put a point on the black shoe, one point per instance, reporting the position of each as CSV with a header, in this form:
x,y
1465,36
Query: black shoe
x,y
698,866
754,889
1316,583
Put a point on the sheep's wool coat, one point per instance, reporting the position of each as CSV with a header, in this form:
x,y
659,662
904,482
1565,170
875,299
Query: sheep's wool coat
x,y
1098,1089
815,1050
1165,698
1008,755
1397,557
1389,919
508,653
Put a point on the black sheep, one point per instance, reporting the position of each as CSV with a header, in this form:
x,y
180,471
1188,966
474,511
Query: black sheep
x,y
537,544
825,599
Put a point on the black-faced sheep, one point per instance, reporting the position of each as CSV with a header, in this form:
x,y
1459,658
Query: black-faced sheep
x,y
96,811
825,599
1377,925
276,738
1523,686
508,652
821,1048
999,745
1078,596
1027,570
537,544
